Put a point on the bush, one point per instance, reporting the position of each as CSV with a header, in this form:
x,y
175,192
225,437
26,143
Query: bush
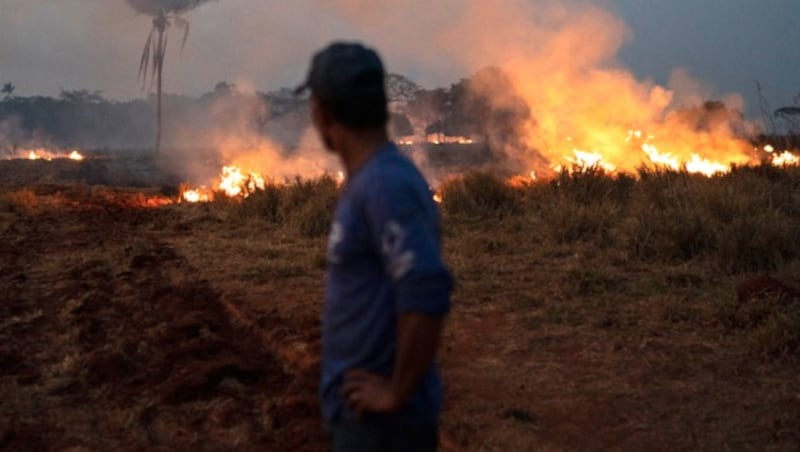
x,y
569,221
304,205
480,195
264,204
308,205
592,185
756,241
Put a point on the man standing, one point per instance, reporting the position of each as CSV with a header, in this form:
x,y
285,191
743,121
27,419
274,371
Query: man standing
x,y
387,289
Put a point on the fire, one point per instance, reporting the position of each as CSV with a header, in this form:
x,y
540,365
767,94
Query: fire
x,y
695,165
583,160
781,159
157,201
785,158
706,167
522,181
197,195
436,138
236,183
43,154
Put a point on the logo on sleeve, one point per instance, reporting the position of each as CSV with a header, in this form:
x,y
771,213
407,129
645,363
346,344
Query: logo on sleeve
x,y
399,261
334,239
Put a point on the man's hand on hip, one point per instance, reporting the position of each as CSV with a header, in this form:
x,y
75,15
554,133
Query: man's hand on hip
x,y
364,392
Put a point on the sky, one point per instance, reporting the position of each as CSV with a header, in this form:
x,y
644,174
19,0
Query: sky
x,y
723,45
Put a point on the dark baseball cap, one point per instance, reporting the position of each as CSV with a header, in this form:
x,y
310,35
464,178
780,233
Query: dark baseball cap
x,y
344,70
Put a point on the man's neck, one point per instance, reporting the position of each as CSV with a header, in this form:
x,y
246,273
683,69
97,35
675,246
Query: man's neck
x,y
359,147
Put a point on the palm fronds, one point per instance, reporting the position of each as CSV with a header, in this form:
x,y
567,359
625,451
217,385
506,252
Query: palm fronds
x,y
154,7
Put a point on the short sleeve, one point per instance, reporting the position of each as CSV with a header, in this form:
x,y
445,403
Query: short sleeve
x,y
405,230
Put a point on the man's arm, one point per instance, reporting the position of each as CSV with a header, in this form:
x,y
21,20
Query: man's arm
x,y
417,343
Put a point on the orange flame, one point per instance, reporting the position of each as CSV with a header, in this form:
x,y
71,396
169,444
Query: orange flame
x,y
43,154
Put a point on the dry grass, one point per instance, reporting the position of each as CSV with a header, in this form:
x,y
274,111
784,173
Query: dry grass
x,y
591,312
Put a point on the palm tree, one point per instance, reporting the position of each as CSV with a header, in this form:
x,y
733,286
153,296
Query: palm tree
x,y
165,13
155,48
8,90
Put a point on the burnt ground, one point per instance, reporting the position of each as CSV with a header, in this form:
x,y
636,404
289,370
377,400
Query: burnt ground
x,y
111,338
128,326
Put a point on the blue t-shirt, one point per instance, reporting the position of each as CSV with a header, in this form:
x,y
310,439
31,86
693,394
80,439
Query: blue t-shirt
x,y
384,259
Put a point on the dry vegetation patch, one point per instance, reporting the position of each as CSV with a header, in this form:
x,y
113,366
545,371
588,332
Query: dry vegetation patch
x,y
591,312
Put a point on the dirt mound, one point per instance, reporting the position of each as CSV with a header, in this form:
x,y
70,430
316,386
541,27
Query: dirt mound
x,y
110,342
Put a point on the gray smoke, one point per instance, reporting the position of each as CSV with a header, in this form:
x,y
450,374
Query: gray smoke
x,y
155,7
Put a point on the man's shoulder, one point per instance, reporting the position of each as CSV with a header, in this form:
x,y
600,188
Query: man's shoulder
x,y
394,183
393,169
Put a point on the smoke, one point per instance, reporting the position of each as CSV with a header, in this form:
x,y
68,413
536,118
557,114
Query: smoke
x,y
561,61
566,89
231,127
155,7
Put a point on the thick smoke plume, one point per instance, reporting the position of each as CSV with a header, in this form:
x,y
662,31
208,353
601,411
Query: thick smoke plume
x,y
155,7
561,61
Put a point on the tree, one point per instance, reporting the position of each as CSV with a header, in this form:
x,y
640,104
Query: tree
x,y
165,13
82,96
791,115
8,90
400,125
400,90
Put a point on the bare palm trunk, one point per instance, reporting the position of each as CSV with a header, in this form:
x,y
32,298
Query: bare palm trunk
x,y
159,69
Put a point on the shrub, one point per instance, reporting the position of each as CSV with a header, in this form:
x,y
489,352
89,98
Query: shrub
x,y
569,221
592,185
264,204
305,205
677,233
308,205
758,240
480,195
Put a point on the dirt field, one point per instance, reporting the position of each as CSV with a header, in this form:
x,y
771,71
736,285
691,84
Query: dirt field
x,y
130,325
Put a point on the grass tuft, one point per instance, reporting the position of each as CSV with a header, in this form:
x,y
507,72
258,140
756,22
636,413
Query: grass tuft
x,y
480,195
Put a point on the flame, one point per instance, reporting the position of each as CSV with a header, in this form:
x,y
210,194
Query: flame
x,y
584,160
521,181
706,167
236,183
197,195
438,198
436,138
43,154
157,201
785,158
75,155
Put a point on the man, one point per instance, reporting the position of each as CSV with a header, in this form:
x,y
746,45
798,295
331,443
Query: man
x,y
387,289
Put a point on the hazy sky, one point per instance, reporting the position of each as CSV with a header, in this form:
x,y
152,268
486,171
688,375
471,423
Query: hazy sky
x,y
47,45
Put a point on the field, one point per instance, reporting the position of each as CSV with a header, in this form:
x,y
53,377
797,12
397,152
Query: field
x,y
656,312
